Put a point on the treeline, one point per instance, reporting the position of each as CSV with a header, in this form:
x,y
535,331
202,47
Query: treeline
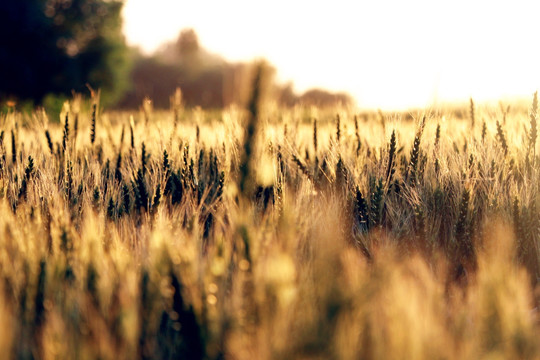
x,y
206,79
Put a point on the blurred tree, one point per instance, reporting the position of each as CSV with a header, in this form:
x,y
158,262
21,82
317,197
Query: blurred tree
x,y
285,94
188,42
56,46
189,52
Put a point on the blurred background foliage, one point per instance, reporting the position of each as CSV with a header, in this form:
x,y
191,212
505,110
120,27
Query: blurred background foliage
x,y
57,47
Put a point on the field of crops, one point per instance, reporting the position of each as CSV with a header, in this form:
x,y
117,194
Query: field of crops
x,y
270,233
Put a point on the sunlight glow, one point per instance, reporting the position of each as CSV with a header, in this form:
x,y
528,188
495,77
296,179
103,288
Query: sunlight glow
x,y
389,54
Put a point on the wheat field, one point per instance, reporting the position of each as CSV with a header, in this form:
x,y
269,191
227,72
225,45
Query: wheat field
x,y
270,233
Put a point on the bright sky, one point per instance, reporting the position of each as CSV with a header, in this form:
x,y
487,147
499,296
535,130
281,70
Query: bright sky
x,y
386,53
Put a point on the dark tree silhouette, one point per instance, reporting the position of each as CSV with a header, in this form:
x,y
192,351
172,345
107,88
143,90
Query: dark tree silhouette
x,y
55,46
